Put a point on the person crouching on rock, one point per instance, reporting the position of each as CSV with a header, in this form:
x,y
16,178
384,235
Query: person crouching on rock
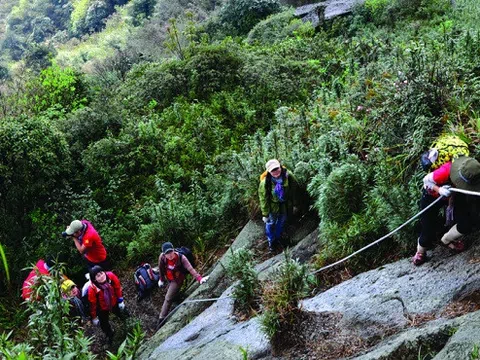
x,y
463,173
105,296
173,268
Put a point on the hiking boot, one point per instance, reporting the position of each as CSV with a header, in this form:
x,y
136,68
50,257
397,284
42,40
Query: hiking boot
x,y
419,258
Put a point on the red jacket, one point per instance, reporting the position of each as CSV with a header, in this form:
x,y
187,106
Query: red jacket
x,y
39,268
96,297
96,252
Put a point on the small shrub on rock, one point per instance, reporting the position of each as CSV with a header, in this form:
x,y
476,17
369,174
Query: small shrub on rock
x,y
246,291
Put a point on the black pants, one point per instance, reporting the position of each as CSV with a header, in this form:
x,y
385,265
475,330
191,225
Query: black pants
x,y
103,317
465,215
105,264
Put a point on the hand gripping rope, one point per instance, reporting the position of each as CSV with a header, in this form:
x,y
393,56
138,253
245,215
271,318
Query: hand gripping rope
x,y
466,192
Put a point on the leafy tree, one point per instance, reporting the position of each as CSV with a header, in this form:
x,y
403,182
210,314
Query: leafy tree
x,y
55,87
242,15
34,164
142,10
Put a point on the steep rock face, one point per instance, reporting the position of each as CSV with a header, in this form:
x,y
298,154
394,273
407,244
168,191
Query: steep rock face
x,y
393,294
390,299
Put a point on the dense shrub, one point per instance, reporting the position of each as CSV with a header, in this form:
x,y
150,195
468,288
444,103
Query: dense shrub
x,y
35,162
280,298
242,15
277,28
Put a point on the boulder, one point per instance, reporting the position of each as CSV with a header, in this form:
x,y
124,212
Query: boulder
x,y
215,335
392,295
444,339
319,12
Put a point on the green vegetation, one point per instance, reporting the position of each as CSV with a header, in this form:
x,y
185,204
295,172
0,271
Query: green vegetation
x,y
280,298
247,290
157,129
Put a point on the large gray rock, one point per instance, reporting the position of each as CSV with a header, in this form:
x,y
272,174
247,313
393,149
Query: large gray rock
x,y
391,295
319,12
442,339
215,335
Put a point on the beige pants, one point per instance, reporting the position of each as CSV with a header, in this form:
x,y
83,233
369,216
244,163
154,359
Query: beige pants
x,y
172,291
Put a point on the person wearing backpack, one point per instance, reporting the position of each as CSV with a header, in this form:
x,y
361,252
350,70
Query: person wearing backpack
x,y
463,173
276,193
88,243
105,296
173,267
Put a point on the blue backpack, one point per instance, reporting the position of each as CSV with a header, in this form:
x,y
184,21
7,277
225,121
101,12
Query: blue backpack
x,y
145,280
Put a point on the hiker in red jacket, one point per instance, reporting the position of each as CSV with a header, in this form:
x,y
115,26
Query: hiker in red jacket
x,y
88,243
463,173
173,267
105,296
42,267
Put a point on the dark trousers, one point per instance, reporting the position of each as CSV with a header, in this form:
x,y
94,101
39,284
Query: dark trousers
x,y
103,316
430,220
105,264
465,214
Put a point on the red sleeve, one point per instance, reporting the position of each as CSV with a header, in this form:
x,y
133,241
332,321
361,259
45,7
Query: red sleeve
x,y
441,176
116,284
92,299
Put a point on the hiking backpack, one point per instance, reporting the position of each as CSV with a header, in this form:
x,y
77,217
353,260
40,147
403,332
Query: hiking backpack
x,y
185,251
449,147
145,279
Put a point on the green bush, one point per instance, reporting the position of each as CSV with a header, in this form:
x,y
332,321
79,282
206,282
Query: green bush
x,y
342,194
246,291
242,15
52,332
280,297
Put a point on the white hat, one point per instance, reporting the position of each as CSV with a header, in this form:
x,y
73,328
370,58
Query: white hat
x,y
75,226
272,164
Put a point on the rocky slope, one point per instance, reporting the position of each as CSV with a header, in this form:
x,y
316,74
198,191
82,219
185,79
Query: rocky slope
x,y
397,311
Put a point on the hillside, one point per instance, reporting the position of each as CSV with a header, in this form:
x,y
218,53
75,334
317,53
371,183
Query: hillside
x,y
154,121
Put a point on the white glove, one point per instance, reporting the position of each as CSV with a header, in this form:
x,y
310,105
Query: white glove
x,y
161,284
121,306
445,191
204,280
265,219
95,321
428,182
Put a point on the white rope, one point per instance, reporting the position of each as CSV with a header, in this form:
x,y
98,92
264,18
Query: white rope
x,y
397,229
377,241
467,192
